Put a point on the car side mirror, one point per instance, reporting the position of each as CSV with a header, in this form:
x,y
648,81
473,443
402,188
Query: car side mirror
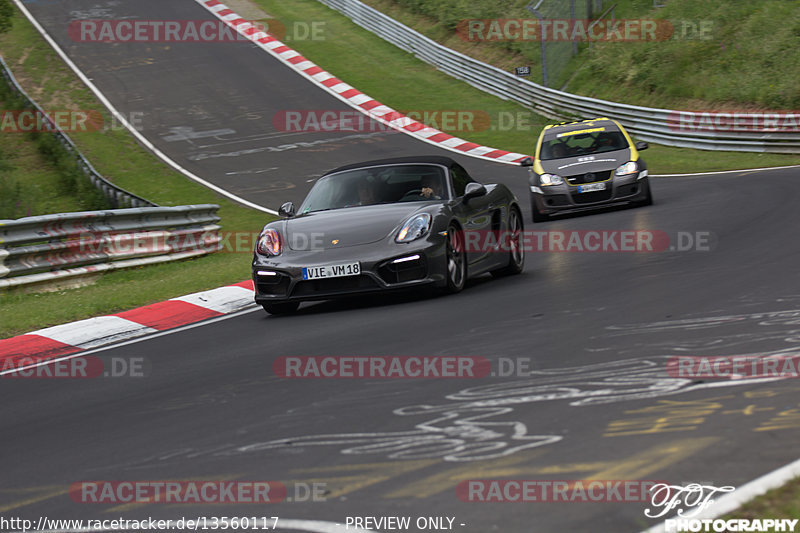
x,y
527,162
641,145
474,190
286,210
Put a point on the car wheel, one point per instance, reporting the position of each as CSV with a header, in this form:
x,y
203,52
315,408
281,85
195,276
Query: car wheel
x,y
648,199
283,308
456,260
516,252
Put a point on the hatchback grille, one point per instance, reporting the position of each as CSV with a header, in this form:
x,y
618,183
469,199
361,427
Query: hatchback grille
x,y
589,177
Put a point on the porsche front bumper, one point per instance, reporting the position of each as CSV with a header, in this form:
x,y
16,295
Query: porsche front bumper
x,y
385,266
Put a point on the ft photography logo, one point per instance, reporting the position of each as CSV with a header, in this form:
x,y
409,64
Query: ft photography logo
x,y
690,501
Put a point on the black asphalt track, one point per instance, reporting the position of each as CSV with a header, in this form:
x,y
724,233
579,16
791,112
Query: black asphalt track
x,y
595,330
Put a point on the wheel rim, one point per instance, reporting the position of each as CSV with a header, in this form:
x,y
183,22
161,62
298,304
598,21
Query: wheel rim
x,y
515,239
455,257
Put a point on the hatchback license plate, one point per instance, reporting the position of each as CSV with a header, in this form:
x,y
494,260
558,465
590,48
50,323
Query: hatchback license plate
x,y
592,187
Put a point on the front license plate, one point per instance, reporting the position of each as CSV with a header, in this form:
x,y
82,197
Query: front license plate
x,y
332,271
589,187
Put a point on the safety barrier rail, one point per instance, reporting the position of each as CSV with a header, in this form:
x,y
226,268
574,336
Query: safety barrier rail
x,y
733,132
48,247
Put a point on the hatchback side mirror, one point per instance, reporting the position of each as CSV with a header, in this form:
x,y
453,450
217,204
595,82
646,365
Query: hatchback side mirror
x,y
527,162
286,210
641,145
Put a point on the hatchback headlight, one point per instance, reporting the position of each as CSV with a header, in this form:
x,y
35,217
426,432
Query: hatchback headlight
x,y
550,179
628,168
269,243
414,228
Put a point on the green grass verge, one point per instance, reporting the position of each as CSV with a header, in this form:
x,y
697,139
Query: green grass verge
x,y
747,56
397,79
29,184
116,155
780,503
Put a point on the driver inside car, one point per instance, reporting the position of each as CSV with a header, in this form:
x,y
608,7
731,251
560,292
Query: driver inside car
x,y
431,188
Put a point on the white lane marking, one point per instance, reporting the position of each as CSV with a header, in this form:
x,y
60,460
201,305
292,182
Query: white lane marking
x,y
122,120
132,341
722,172
320,76
467,427
745,493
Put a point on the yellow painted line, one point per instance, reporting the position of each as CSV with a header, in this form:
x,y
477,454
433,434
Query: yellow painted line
x,y
747,411
635,467
46,494
789,419
653,460
668,416
137,505
448,479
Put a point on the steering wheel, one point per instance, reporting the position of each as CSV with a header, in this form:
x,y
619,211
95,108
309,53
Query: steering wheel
x,y
415,192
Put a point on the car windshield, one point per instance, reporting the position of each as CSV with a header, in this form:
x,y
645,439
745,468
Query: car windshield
x,y
581,142
377,185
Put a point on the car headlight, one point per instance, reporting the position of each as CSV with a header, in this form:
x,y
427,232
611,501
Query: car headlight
x,y
550,179
628,168
414,228
269,243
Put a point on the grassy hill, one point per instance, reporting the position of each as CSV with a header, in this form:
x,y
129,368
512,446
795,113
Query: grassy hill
x,y
750,58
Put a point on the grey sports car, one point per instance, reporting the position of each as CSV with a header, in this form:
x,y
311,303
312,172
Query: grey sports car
x,y
387,225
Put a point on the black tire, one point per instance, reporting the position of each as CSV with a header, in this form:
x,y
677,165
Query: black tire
x,y
455,261
283,308
537,216
648,199
516,254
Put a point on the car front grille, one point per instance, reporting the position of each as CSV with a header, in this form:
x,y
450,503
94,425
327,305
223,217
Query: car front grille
x,y
330,286
589,177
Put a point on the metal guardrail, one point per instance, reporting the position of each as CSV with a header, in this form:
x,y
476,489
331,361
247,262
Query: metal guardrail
x,y
48,247
117,196
647,123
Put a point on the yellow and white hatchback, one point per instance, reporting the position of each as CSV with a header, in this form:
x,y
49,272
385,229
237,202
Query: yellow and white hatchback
x,y
586,165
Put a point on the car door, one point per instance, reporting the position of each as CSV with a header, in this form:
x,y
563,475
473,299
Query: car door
x,y
476,217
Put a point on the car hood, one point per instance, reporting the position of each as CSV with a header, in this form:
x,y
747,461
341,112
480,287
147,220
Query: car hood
x,y
570,166
349,226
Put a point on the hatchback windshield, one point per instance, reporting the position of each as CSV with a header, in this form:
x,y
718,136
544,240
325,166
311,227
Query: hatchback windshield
x,y
377,185
572,144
